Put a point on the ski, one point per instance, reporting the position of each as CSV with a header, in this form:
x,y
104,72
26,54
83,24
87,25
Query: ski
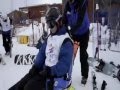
x,y
27,59
104,84
10,48
94,81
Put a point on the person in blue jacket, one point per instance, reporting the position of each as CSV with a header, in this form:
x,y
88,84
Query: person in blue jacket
x,y
76,19
53,65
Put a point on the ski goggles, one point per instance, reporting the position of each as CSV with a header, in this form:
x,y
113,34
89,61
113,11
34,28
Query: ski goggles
x,y
51,24
51,21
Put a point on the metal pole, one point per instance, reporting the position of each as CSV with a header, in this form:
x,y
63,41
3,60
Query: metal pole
x,y
93,11
98,38
110,26
33,32
93,26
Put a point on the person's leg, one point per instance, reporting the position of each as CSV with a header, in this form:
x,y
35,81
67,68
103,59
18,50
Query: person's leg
x,y
33,72
20,84
36,83
84,55
50,84
4,42
8,43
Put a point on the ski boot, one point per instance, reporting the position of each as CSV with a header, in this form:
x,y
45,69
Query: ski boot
x,y
83,81
1,60
7,53
100,67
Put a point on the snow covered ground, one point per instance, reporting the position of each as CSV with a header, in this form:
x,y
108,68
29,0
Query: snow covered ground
x,y
11,73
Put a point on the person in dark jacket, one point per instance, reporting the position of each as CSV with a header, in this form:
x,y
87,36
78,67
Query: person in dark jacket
x,y
76,19
53,65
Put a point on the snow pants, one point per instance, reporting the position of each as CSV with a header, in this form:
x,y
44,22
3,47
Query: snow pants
x,y
83,40
37,83
28,83
40,83
6,40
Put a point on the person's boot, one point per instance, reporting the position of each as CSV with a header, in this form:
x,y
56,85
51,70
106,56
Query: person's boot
x,y
7,53
1,60
84,80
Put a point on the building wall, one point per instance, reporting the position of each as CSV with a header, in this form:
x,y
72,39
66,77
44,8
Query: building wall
x,y
17,17
91,10
36,12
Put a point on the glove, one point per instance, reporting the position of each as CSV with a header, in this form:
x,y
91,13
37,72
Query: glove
x,y
46,72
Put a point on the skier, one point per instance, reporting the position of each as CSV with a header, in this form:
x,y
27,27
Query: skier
x,y
6,32
53,65
76,18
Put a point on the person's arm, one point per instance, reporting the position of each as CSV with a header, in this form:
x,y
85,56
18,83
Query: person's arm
x,y
40,59
65,59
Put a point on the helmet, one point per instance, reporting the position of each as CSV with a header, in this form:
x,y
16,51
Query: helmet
x,y
52,16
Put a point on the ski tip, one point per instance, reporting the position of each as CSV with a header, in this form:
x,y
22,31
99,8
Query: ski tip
x,y
83,85
71,88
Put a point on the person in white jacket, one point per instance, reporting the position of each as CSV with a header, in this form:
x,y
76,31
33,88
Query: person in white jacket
x,y
6,33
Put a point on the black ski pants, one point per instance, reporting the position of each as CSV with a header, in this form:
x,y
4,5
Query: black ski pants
x,y
31,81
83,40
6,41
27,83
